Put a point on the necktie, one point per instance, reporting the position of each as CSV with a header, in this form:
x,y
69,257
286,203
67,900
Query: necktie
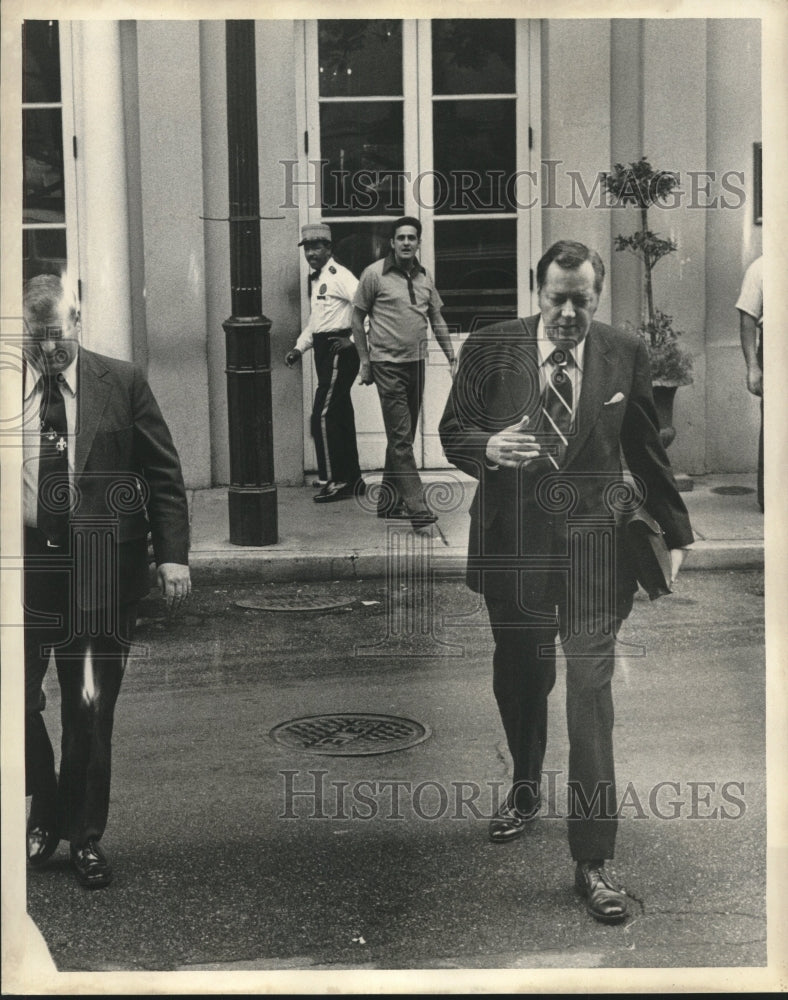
x,y
557,406
313,277
53,492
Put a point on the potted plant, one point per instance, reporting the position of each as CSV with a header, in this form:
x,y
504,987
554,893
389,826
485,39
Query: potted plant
x,y
639,184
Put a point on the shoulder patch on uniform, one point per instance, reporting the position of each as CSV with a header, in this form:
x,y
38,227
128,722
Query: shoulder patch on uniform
x,y
332,269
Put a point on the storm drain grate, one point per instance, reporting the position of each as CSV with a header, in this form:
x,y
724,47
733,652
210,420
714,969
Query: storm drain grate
x,y
732,491
293,602
349,734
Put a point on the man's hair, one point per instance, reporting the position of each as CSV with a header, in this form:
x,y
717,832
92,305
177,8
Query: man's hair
x,y
44,300
406,220
570,255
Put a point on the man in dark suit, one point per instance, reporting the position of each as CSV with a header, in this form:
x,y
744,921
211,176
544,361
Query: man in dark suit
x,y
539,413
100,472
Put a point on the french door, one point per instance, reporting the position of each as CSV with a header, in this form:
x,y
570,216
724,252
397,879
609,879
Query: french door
x,y
428,118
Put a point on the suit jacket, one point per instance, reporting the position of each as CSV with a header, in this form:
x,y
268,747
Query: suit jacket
x,y
126,475
529,525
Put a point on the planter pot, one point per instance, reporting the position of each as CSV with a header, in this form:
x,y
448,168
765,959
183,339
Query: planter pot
x,y
664,397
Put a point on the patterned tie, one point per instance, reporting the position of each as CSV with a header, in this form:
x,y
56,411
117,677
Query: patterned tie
x,y
557,406
53,504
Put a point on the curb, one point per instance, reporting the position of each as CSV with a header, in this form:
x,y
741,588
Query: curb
x,y
221,566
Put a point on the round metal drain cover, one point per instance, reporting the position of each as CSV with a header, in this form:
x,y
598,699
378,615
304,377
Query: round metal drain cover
x,y
293,602
732,491
349,734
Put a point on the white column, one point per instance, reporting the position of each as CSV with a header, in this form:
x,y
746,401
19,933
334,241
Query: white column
x,y
101,188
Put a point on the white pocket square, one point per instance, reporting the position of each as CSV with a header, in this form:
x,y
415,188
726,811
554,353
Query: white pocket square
x,y
615,399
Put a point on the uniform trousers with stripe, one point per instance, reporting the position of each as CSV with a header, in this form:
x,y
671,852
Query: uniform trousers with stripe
x,y
90,652
333,422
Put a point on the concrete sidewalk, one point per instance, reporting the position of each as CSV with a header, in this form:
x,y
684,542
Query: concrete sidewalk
x,y
346,540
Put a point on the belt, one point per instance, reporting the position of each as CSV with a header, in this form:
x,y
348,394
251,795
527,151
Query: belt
x,y
344,332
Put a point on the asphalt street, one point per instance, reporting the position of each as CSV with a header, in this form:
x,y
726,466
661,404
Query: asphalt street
x,y
221,864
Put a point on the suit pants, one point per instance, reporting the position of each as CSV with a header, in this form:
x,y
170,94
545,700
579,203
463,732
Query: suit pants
x,y
333,422
90,652
400,389
524,673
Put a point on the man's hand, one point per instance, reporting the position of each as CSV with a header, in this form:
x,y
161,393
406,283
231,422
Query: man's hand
x,y
454,364
676,559
292,357
365,373
339,344
175,582
755,380
512,448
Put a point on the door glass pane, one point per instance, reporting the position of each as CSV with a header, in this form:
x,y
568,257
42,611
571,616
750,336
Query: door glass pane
x,y
43,252
473,56
360,58
40,62
474,150
362,143
42,141
476,271
357,244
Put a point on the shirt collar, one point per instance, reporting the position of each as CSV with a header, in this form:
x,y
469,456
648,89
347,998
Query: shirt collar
x,y
545,347
34,375
390,263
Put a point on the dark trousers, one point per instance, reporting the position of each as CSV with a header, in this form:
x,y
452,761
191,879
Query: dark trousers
x,y
523,676
400,389
333,422
90,652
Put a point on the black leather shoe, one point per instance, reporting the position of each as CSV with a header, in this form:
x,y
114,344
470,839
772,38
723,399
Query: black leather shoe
x,y
334,491
397,512
41,845
604,900
421,519
91,865
509,823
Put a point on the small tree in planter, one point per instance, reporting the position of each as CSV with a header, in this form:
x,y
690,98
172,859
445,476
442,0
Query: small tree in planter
x,y
639,184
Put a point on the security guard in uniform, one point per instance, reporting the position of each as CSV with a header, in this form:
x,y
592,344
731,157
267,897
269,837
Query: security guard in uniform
x,y
333,423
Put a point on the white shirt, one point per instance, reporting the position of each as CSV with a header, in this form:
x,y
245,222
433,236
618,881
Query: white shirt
x,y
545,348
331,304
750,299
33,391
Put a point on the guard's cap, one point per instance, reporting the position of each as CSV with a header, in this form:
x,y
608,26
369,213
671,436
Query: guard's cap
x,y
315,231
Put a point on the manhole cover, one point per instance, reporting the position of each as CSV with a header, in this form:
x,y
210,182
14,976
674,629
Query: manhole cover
x,y
293,602
350,734
732,491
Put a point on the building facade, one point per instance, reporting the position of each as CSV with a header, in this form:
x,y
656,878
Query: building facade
x,y
493,132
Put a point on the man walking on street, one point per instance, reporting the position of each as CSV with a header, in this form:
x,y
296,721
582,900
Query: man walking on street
x,y
333,424
539,413
400,298
100,472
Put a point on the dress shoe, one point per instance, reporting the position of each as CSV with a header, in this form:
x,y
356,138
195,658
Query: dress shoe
x,y
41,845
334,491
91,865
604,900
509,823
318,484
421,519
395,512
